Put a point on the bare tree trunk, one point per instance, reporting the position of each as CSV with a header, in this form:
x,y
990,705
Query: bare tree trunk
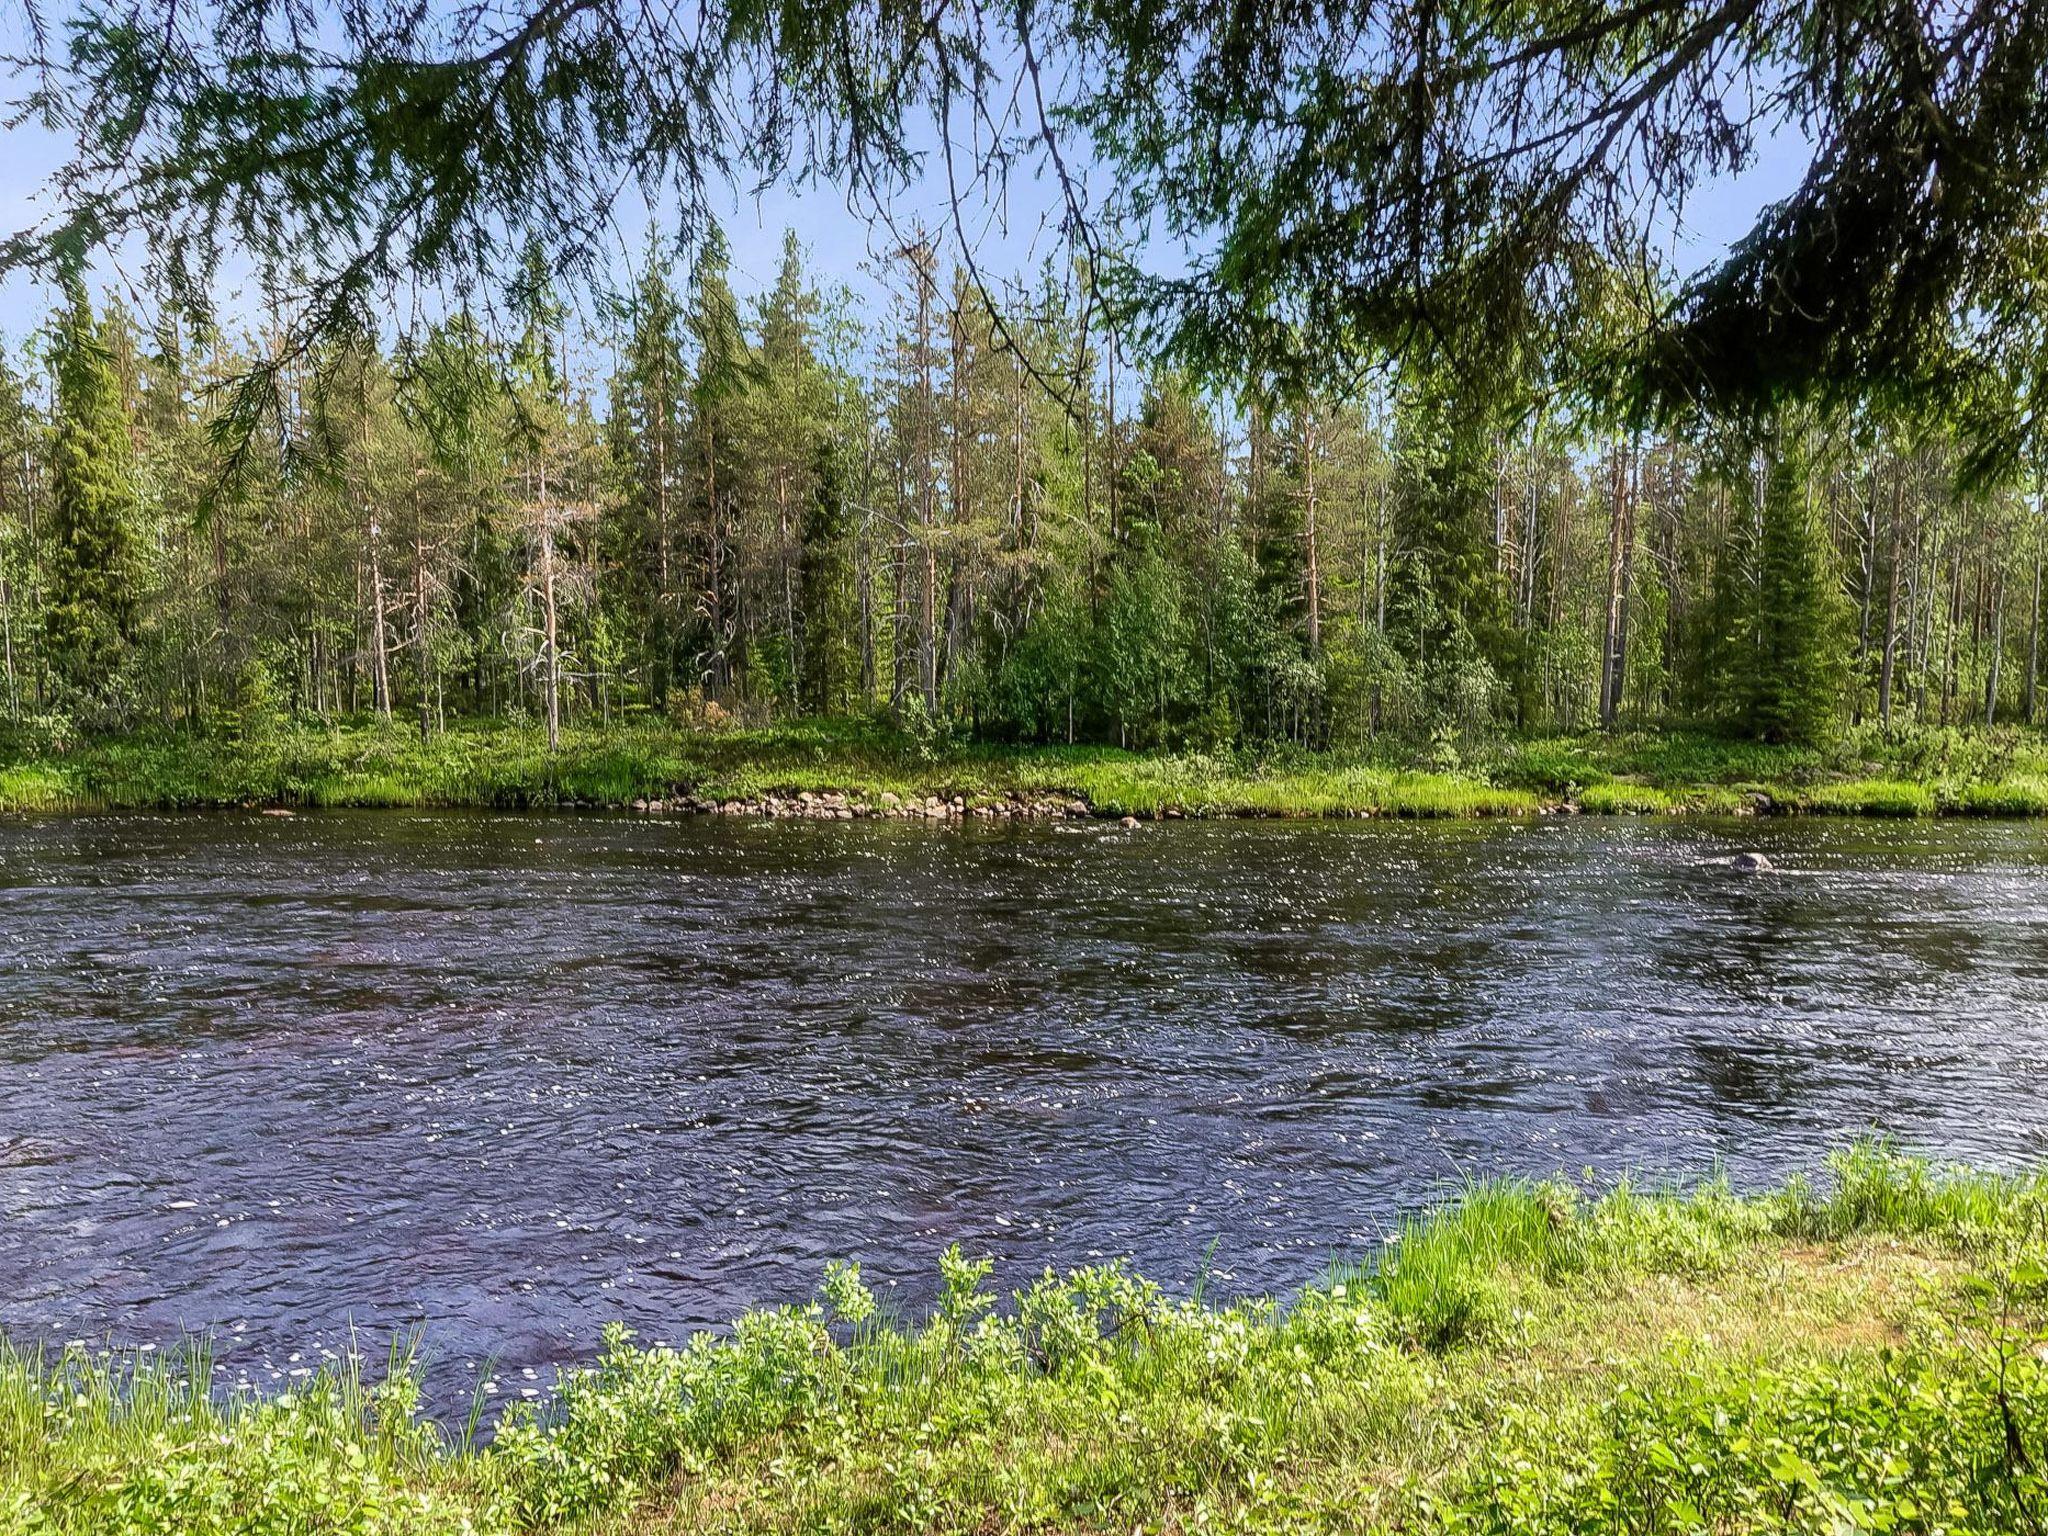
x,y
1868,581
380,651
1109,446
2034,632
660,420
421,638
1950,673
7,623
959,573
1308,530
1997,649
1888,662
927,495
1614,640
551,650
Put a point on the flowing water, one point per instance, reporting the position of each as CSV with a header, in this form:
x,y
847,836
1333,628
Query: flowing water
x,y
504,1079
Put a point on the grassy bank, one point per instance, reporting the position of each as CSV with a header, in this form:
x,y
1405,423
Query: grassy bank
x,y
1869,1353
509,767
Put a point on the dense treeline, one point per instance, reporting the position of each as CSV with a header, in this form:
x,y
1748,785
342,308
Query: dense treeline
x,y
982,519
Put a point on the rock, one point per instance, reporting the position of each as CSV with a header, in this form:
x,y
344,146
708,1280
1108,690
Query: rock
x,y
889,800
277,810
1751,864
1077,807
1128,822
640,805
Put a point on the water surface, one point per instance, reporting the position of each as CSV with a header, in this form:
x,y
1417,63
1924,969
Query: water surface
x,y
507,1078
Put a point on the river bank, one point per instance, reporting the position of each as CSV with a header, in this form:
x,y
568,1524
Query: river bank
x,y
1869,1352
850,769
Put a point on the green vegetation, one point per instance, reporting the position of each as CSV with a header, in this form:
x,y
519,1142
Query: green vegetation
x,y
511,768
1870,1355
978,523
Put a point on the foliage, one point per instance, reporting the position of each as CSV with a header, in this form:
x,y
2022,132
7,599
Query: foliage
x,y
1484,190
1532,1357
95,576
743,519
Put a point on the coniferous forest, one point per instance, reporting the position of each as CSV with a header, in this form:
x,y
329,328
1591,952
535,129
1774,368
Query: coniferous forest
x,y
1238,841
996,520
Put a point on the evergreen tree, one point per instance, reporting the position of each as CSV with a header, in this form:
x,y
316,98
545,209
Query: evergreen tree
x,y
649,424
1802,619
723,368
95,572
787,425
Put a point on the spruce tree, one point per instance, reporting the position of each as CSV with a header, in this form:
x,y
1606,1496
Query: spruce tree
x,y
651,451
95,575
724,367
1801,621
787,428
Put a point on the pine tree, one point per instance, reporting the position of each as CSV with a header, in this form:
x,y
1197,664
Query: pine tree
x,y
95,574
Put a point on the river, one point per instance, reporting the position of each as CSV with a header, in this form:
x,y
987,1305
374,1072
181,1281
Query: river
x,y
292,1082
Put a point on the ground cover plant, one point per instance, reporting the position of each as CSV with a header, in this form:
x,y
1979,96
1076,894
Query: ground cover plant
x,y
1864,1352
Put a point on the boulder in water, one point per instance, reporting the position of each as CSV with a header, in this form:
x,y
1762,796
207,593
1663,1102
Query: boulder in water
x,y
1752,864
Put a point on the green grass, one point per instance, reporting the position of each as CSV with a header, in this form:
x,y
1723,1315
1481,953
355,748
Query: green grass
x,y
1870,797
2018,795
504,766
1865,1352
1616,798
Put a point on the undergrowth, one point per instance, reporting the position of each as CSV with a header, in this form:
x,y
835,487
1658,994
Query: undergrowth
x,y
1864,1352
508,767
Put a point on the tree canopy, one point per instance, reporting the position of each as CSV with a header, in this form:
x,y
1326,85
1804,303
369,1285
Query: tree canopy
x,y
1323,182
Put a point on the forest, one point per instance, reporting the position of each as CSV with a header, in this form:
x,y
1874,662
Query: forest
x,y
985,516
1339,554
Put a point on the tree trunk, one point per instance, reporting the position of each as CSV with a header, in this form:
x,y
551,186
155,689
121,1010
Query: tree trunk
x,y
551,674
7,623
1888,662
1614,639
421,638
927,496
380,651
1997,649
1308,531
1868,581
2034,632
